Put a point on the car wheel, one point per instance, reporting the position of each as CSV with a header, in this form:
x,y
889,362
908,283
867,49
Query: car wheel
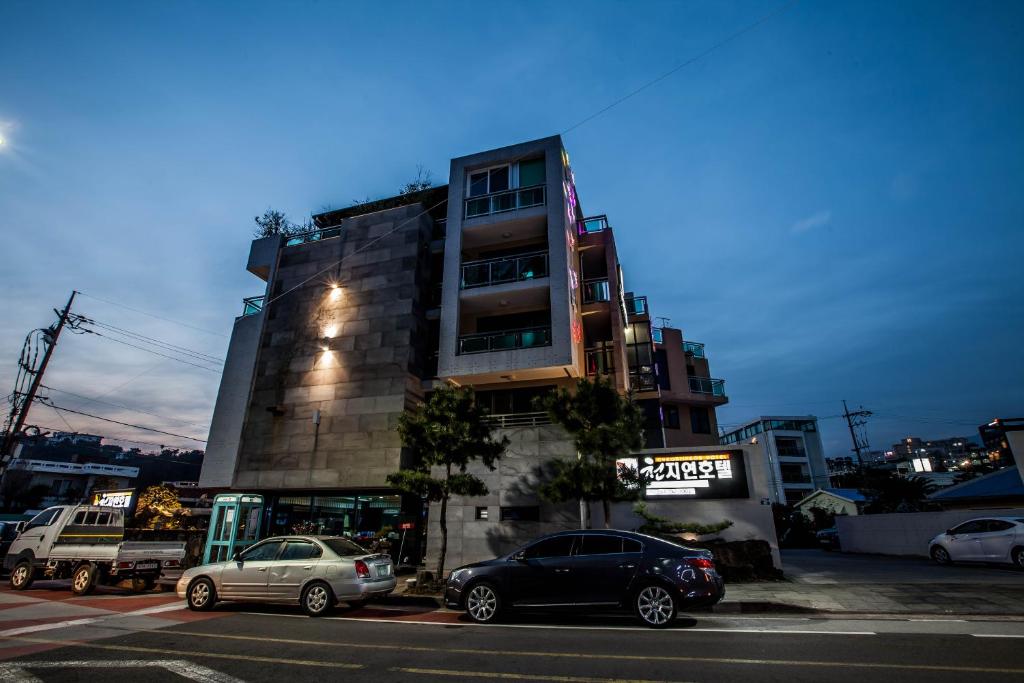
x,y
1018,557
483,603
22,576
317,599
655,606
201,596
83,580
941,556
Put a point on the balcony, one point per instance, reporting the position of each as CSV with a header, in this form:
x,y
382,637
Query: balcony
x,y
507,340
657,335
500,202
252,305
599,360
596,290
592,225
636,305
506,269
507,420
313,236
706,385
695,349
643,380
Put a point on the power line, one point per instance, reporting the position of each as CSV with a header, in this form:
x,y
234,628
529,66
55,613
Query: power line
x,y
103,436
688,62
155,353
119,405
168,346
152,315
124,424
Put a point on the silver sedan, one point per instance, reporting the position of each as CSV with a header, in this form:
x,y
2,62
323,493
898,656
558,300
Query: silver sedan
x,y
315,571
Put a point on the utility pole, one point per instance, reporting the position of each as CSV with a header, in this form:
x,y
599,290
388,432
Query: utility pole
x,y
857,418
11,438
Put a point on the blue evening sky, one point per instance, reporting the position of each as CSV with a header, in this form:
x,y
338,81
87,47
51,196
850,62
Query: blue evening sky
x,y
832,202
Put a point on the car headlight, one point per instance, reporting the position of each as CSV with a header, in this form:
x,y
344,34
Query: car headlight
x,y
457,575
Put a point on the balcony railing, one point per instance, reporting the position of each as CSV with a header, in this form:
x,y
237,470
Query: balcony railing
x,y
657,335
695,349
506,269
644,380
509,200
636,305
527,338
252,305
596,290
313,236
599,361
506,420
595,224
706,385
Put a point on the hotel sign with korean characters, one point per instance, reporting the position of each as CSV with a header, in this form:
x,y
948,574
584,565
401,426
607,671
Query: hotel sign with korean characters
x,y
699,476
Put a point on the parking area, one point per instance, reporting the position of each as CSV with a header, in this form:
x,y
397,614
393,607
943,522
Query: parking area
x,y
821,567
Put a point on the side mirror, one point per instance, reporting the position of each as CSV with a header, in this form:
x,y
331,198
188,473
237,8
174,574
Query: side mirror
x,y
950,532
237,557
19,527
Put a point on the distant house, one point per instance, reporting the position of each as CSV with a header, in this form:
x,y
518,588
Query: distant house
x,y
1002,488
837,501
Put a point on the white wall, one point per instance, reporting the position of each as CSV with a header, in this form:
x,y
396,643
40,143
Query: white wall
x,y
905,533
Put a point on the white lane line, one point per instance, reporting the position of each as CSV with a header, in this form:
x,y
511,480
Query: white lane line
x,y
92,620
941,621
18,672
998,635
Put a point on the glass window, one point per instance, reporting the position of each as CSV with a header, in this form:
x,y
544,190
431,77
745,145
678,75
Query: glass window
x,y
700,421
481,513
671,415
44,518
999,525
558,546
520,513
90,518
478,184
631,546
79,517
790,446
300,550
103,519
531,173
499,179
600,545
975,527
344,547
263,551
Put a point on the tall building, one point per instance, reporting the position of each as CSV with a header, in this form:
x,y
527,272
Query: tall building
x,y
791,446
497,281
996,437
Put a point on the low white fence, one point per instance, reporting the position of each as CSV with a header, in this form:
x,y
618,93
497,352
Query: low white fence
x,y
905,533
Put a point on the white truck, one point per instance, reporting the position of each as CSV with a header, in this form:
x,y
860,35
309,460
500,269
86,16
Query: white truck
x,y
86,544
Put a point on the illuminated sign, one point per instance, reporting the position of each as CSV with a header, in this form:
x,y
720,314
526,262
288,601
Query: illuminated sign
x,y
692,475
113,499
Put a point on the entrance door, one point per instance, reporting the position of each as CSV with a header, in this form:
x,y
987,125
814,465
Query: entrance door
x,y
290,571
541,573
248,576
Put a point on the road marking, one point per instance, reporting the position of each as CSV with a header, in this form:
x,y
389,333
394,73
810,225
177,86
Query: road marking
x,y
588,655
783,631
92,620
519,676
190,653
17,672
939,620
997,635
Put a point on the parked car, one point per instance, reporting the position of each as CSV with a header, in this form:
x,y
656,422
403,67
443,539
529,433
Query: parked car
x,y
829,538
84,543
315,572
986,539
586,570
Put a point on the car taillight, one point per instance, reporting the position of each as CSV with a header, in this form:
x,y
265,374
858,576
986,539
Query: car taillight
x,y
125,565
700,563
362,570
171,563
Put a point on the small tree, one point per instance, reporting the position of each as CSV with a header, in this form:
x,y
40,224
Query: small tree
x,y
421,182
443,436
660,526
604,427
274,222
159,506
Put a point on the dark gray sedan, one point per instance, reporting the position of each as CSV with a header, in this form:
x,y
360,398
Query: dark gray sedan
x,y
591,569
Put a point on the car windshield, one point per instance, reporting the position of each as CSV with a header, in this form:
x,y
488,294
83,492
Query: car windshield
x,y
343,546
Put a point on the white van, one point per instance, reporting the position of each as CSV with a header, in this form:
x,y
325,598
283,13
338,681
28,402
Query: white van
x,y
85,543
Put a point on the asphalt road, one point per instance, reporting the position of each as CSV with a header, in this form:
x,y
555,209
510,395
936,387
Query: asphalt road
x,y
247,643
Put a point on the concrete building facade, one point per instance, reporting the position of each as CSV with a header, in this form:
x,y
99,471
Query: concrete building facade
x,y
498,281
791,445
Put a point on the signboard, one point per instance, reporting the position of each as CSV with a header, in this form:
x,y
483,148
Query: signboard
x,y
405,526
113,499
692,475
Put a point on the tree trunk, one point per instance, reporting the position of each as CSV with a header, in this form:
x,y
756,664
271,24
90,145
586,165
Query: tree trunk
x,y
444,526
607,513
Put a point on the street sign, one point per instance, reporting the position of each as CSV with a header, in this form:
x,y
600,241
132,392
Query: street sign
x,y
405,526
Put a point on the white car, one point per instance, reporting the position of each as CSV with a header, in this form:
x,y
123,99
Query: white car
x,y
313,571
985,539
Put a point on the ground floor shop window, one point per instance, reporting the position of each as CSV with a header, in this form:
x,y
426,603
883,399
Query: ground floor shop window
x,y
364,518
